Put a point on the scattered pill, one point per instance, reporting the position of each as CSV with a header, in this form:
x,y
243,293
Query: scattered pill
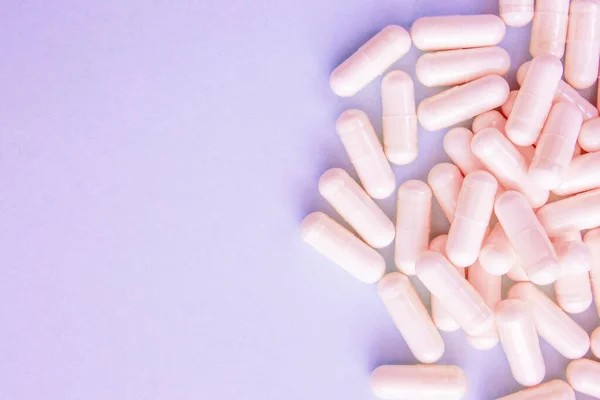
x,y
575,213
589,136
592,239
442,319
516,13
595,342
582,174
583,44
457,145
490,288
445,181
584,376
552,390
549,28
497,256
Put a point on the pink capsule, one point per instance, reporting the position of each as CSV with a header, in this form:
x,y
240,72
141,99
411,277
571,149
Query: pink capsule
x,y
365,152
534,100
549,29
343,248
507,107
457,32
583,44
459,298
445,181
370,61
457,144
411,317
456,67
574,213
552,323
520,342
442,319
564,92
573,254
555,148
507,164
471,218
462,102
490,288
589,136
595,342
426,382
413,223
582,174
497,256
516,13
552,390
527,237
584,377
399,118
490,119
592,239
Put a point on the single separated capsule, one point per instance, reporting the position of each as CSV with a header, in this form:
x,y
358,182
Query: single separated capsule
x,y
343,248
462,102
589,136
423,382
520,342
365,152
583,44
516,13
370,61
399,118
552,390
459,298
582,174
445,181
527,237
575,213
549,28
534,100
584,376
592,239
457,145
490,288
442,318
456,67
471,218
411,317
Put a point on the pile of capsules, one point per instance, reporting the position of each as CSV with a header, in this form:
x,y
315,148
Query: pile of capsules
x,y
522,195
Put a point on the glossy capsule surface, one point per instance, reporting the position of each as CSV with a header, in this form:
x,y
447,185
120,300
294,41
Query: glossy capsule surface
x,y
457,145
583,44
445,181
575,213
497,256
516,13
584,377
582,174
549,28
442,318
507,107
552,390
490,288
589,136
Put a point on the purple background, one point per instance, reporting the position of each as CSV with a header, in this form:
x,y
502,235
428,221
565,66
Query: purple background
x,y
157,158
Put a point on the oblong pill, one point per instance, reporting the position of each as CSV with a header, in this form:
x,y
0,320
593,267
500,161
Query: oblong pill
x,y
555,148
574,292
413,224
507,164
462,102
575,213
589,136
399,118
582,174
564,92
497,256
459,298
507,107
534,100
457,145
370,60
549,28
584,376
471,218
490,119
552,323
592,240
427,382
445,181
442,319
583,45
365,152
457,32
456,67
552,390
527,237
520,342
490,288
411,317
516,13
343,248
595,342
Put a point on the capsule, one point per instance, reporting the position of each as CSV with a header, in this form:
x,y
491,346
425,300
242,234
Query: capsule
x,y
365,152
552,390
520,342
457,145
534,100
442,319
573,254
370,61
592,239
589,136
595,342
456,67
490,288
582,174
564,92
413,223
445,181
462,102
549,28
527,237
497,256
584,377
556,145
426,382
574,213
471,218
507,107
343,248
459,298
490,119
552,323
457,32
516,13
583,44
507,164
411,317
399,118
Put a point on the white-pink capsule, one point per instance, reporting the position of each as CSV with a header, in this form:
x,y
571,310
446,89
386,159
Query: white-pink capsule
x,y
497,256
490,288
584,376
552,390
575,213
583,43
516,13
457,145
549,29
442,318
589,136
582,174
445,181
